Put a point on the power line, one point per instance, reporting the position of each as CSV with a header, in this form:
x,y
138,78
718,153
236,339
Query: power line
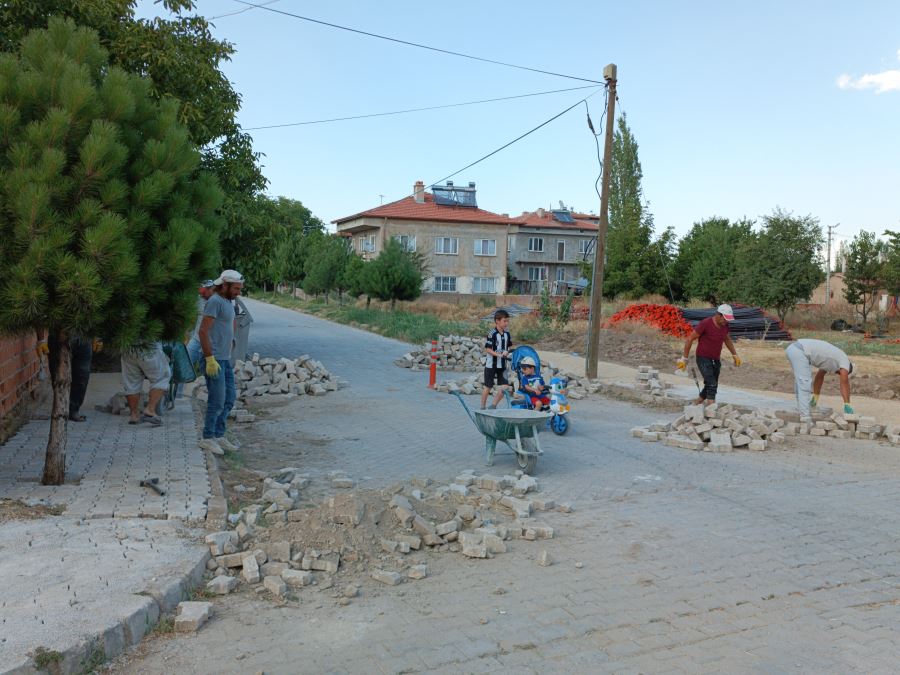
x,y
414,44
240,11
412,110
515,140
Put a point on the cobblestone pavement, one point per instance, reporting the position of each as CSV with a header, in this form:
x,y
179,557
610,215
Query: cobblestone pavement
x,y
783,561
106,458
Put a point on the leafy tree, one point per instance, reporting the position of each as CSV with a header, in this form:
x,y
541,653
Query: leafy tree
x,y
396,274
707,257
892,263
106,221
564,314
634,262
184,62
546,306
864,272
779,266
285,229
354,277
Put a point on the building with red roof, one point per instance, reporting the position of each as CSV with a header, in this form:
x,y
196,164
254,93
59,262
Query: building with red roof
x,y
464,246
546,246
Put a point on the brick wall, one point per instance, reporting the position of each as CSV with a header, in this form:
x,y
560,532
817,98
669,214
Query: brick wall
x,y
19,367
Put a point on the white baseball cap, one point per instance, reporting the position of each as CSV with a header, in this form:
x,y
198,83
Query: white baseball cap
x,y
726,311
229,277
527,361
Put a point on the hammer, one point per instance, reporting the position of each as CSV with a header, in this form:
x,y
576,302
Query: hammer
x,y
153,484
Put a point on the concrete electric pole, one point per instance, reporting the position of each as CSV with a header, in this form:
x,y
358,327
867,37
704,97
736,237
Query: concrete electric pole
x,y
593,347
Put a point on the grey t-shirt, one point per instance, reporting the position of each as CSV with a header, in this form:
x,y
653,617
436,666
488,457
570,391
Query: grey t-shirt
x,y
221,333
824,355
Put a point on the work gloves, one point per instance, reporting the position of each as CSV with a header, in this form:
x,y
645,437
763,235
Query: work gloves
x,y
97,345
737,360
42,348
212,367
814,401
681,364
848,409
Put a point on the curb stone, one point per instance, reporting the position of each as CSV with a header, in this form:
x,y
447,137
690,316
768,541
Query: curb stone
x,y
126,631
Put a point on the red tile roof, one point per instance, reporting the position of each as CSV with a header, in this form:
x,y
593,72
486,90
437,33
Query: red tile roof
x,y
534,219
409,209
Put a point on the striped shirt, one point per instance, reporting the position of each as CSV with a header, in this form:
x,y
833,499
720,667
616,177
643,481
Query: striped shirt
x,y
499,342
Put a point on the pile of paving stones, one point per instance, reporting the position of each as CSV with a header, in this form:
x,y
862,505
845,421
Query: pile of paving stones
x,y
453,352
260,376
722,428
647,380
280,544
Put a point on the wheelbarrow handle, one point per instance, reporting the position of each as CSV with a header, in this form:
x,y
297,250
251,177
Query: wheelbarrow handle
x,y
465,407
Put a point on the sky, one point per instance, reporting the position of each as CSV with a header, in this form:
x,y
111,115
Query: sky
x,y
738,108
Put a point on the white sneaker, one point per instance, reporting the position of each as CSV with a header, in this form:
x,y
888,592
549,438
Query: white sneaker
x,y
211,445
225,444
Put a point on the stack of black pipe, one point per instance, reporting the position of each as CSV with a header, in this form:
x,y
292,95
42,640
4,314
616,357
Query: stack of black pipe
x,y
750,323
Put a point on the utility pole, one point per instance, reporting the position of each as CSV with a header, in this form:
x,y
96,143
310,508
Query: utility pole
x,y
593,348
828,267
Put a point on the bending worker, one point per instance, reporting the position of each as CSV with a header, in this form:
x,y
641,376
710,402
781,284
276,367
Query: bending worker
x,y
803,355
711,334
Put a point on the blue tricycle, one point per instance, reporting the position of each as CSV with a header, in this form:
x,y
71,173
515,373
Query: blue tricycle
x,y
559,404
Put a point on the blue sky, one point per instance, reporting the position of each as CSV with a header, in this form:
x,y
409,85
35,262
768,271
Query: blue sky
x,y
737,107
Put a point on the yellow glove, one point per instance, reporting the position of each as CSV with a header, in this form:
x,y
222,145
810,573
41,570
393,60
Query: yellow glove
x,y
42,348
737,360
681,364
212,366
97,345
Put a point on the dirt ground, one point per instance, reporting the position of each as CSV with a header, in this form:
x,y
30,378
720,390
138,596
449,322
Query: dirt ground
x,y
764,367
11,509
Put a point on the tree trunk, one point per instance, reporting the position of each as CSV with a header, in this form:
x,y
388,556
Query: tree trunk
x,y
368,301
55,459
393,303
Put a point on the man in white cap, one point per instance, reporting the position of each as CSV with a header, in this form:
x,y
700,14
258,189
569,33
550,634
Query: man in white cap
x,y
216,337
711,333
803,355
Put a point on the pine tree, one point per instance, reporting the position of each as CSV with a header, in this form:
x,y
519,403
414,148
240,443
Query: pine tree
x,y
395,274
107,223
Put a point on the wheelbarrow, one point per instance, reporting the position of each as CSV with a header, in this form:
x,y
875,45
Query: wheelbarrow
x,y
515,427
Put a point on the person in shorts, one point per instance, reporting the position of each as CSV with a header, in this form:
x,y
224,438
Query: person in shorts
x,y
497,346
141,364
710,334
533,385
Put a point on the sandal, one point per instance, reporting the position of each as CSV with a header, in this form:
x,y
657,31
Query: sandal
x,y
155,420
77,418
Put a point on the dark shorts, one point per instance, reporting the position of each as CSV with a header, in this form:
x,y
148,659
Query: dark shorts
x,y
494,375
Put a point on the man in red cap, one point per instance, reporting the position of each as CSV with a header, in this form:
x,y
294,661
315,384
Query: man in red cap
x,y
711,333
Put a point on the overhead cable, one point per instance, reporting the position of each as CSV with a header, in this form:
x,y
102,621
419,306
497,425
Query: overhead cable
x,y
240,11
414,44
412,110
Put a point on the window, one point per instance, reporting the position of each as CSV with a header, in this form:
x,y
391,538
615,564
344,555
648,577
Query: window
x,y
484,285
585,246
536,244
537,273
445,284
560,273
485,247
509,243
560,250
367,244
407,242
446,246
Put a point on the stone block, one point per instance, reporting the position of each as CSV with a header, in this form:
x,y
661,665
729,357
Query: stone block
x,y
217,541
521,507
432,540
275,585
222,585
758,445
296,578
494,544
466,512
270,569
446,528
533,532
191,616
650,436
544,559
777,437
543,504
422,526
417,572
740,440
465,480
412,541
816,431
244,531
388,577
250,571
276,517
342,483
524,485
230,560
346,509
840,433
328,562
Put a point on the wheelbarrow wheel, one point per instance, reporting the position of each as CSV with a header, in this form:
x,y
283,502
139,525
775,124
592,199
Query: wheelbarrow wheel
x,y
528,463
559,424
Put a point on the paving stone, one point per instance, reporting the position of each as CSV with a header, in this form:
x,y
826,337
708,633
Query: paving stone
x,y
297,578
275,585
417,572
191,616
386,577
222,585
250,570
